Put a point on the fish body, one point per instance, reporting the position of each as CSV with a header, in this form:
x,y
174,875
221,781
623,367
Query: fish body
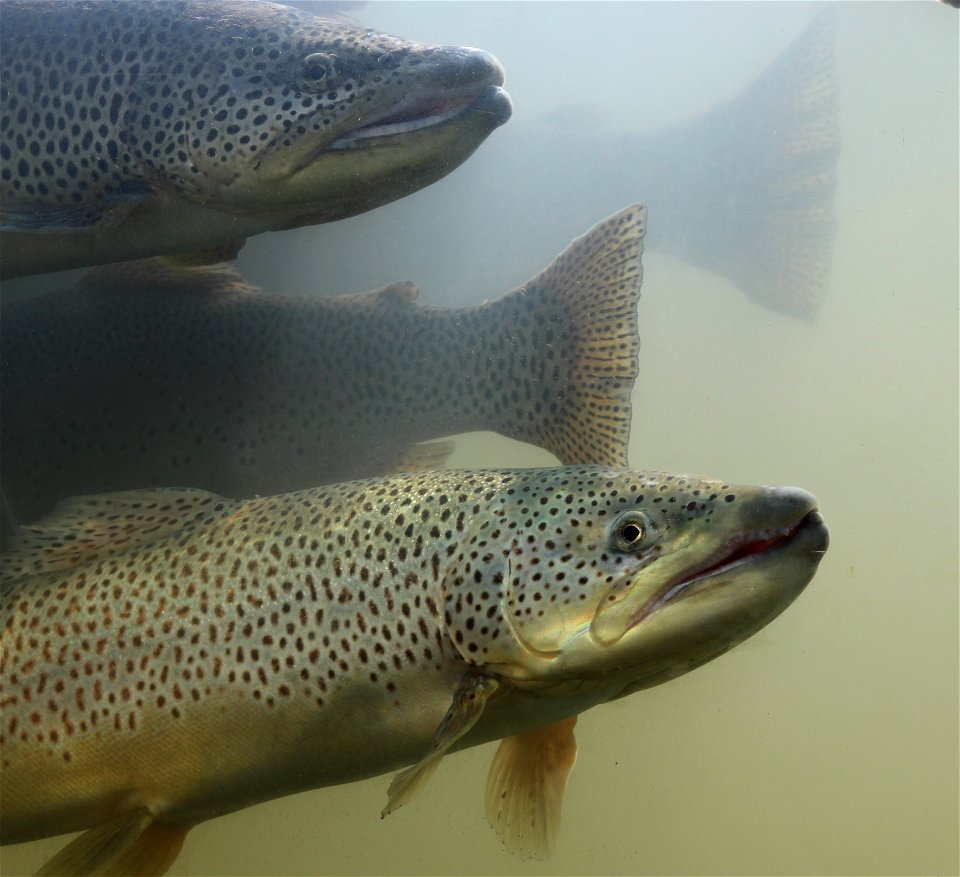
x,y
168,656
150,375
170,127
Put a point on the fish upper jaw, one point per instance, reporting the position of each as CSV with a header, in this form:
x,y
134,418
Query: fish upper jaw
x,y
743,548
773,526
701,612
456,82
396,142
691,602
425,110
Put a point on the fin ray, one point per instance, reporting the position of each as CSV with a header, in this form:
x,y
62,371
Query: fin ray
x,y
525,787
163,276
87,528
594,284
421,456
133,844
468,703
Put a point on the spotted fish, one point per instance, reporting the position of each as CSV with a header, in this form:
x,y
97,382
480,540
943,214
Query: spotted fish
x,y
168,656
165,126
148,375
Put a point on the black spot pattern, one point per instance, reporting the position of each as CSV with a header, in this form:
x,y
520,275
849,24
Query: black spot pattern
x,y
160,604
546,546
100,99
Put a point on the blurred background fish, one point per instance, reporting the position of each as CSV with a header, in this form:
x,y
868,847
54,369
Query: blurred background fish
x,y
145,374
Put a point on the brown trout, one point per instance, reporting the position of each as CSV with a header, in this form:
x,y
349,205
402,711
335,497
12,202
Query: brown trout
x,y
167,127
168,656
147,375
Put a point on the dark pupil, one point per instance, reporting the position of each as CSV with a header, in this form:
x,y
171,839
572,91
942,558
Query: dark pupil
x,y
631,533
315,71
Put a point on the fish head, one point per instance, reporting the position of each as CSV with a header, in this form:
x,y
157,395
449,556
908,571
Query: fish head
x,y
315,119
625,579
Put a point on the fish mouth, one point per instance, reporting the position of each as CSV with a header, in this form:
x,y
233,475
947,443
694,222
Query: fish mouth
x,y
427,110
809,534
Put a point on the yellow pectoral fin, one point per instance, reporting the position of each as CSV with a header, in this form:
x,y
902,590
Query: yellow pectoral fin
x,y
468,702
132,844
525,787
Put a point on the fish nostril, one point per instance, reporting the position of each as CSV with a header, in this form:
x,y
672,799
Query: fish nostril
x,y
467,66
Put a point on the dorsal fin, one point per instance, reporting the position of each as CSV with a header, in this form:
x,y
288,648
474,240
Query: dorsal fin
x,y
401,293
97,214
90,528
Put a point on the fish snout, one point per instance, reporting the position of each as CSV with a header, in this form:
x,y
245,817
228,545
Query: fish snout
x,y
773,507
814,528
458,66
783,517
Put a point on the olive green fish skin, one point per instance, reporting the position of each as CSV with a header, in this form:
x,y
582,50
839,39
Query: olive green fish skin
x,y
194,655
159,126
143,376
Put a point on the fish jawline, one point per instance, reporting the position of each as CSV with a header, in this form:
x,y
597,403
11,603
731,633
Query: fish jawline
x,y
401,120
746,549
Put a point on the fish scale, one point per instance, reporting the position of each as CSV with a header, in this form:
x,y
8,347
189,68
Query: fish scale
x,y
170,655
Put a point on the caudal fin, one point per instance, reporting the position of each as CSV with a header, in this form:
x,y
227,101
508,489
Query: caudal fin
x,y
761,173
575,327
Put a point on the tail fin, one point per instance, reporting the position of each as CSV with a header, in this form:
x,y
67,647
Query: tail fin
x,y
576,323
763,211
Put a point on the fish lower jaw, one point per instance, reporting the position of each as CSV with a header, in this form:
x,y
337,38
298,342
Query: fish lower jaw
x,y
416,114
743,550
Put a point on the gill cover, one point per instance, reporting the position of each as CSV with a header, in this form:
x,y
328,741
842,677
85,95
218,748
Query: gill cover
x,y
518,598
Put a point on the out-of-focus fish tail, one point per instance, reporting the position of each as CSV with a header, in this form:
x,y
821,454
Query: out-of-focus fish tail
x,y
766,188
576,328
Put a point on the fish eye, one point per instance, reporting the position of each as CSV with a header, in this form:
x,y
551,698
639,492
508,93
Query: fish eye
x,y
629,531
318,68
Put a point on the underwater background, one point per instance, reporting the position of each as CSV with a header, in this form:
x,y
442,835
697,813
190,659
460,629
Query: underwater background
x,y
828,743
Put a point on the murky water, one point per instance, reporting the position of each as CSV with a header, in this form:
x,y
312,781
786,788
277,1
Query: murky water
x,y
828,743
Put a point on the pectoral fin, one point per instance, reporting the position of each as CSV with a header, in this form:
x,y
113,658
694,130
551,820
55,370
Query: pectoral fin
x,y
421,456
525,787
225,252
468,702
106,211
132,844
